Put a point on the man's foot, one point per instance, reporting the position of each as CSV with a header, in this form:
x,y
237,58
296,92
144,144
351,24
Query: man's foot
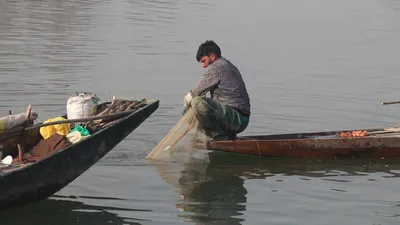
x,y
232,137
211,136
221,137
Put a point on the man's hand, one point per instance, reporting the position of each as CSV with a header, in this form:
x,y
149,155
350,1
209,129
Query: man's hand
x,y
185,109
187,99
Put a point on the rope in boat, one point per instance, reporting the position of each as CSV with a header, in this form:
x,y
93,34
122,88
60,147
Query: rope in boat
x,y
258,147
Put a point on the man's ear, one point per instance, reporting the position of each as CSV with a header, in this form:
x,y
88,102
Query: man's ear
x,y
213,56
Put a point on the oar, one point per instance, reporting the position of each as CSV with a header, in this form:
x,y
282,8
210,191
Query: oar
x,y
390,102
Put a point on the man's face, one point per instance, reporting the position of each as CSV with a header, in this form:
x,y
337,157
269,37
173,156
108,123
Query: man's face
x,y
207,60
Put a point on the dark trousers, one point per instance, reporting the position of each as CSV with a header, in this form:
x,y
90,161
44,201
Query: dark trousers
x,y
218,120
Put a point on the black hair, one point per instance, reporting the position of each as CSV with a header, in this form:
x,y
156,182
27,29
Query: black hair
x,y
206,49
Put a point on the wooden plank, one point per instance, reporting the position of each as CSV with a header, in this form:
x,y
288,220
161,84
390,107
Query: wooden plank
x,y
21,146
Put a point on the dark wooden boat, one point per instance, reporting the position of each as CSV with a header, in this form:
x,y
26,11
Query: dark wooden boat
x,y
383,142
22,183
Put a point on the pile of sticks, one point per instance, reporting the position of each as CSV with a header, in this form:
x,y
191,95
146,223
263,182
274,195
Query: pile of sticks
x,y
117,107
121,105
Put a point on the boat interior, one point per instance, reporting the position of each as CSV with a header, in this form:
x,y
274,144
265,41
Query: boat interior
x,y
33,142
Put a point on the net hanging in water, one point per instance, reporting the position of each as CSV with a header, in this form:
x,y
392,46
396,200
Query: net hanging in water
x,y
180,140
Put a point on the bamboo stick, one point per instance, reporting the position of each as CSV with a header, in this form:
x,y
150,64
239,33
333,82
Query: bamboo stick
x,y
108,108
390,102
87,119
21,147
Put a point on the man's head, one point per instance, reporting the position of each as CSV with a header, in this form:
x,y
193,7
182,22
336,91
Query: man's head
x,y
208,53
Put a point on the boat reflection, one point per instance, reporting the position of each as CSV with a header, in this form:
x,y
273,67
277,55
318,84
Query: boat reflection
x,y
65,211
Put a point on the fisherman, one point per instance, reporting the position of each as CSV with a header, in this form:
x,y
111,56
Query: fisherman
x,y
227,112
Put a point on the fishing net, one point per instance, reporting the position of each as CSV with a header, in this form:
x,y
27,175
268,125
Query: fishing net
x,y
180,141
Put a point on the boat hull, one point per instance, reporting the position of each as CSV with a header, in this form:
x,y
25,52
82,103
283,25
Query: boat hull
x,y
42,179
312,146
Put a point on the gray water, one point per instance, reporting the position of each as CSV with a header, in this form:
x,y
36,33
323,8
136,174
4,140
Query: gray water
x,y
308,66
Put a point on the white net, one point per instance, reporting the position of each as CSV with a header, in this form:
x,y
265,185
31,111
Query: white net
x,y
180,141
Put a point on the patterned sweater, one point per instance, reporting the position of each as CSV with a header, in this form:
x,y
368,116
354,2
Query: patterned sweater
x,y
225,84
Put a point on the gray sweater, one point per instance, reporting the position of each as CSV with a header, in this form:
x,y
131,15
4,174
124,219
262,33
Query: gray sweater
x,y
225,84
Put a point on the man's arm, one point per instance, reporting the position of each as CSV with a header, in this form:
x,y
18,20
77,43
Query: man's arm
x,y
209,80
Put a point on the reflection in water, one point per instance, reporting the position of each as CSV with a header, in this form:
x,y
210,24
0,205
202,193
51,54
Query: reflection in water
x,y
214,192
65,211
250,167
210,195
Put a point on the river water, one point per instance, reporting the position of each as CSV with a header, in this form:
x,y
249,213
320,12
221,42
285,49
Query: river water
x,y
308,66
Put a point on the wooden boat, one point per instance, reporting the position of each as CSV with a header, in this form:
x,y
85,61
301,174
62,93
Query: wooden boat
x,y
22,183
383,142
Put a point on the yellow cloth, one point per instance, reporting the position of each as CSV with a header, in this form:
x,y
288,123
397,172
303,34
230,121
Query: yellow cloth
x,y
61,129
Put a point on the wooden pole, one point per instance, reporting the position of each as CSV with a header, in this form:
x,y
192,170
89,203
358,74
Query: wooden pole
x,y
390,102
107,116
21,147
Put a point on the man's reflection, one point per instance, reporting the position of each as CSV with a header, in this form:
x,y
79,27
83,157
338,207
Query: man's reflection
x,y
213,192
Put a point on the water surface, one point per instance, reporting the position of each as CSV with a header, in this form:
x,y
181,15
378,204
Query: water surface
x,y
308,66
